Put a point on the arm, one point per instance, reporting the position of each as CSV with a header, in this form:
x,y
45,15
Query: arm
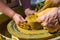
x,y
6,10
10,13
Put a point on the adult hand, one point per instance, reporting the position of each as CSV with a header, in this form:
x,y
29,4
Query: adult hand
x,y
50,19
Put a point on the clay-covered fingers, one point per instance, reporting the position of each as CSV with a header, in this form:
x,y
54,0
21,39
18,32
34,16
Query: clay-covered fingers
x,y
52,26
44,19
49,18
45,22
41,19
52,23
18,18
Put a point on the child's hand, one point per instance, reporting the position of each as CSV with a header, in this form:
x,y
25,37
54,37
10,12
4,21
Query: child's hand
x,y
29,12
18,18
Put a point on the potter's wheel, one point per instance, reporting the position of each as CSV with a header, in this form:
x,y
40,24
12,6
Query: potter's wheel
x,y
22,33
13,30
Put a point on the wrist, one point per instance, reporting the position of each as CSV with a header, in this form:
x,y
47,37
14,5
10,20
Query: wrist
x,y
13,15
